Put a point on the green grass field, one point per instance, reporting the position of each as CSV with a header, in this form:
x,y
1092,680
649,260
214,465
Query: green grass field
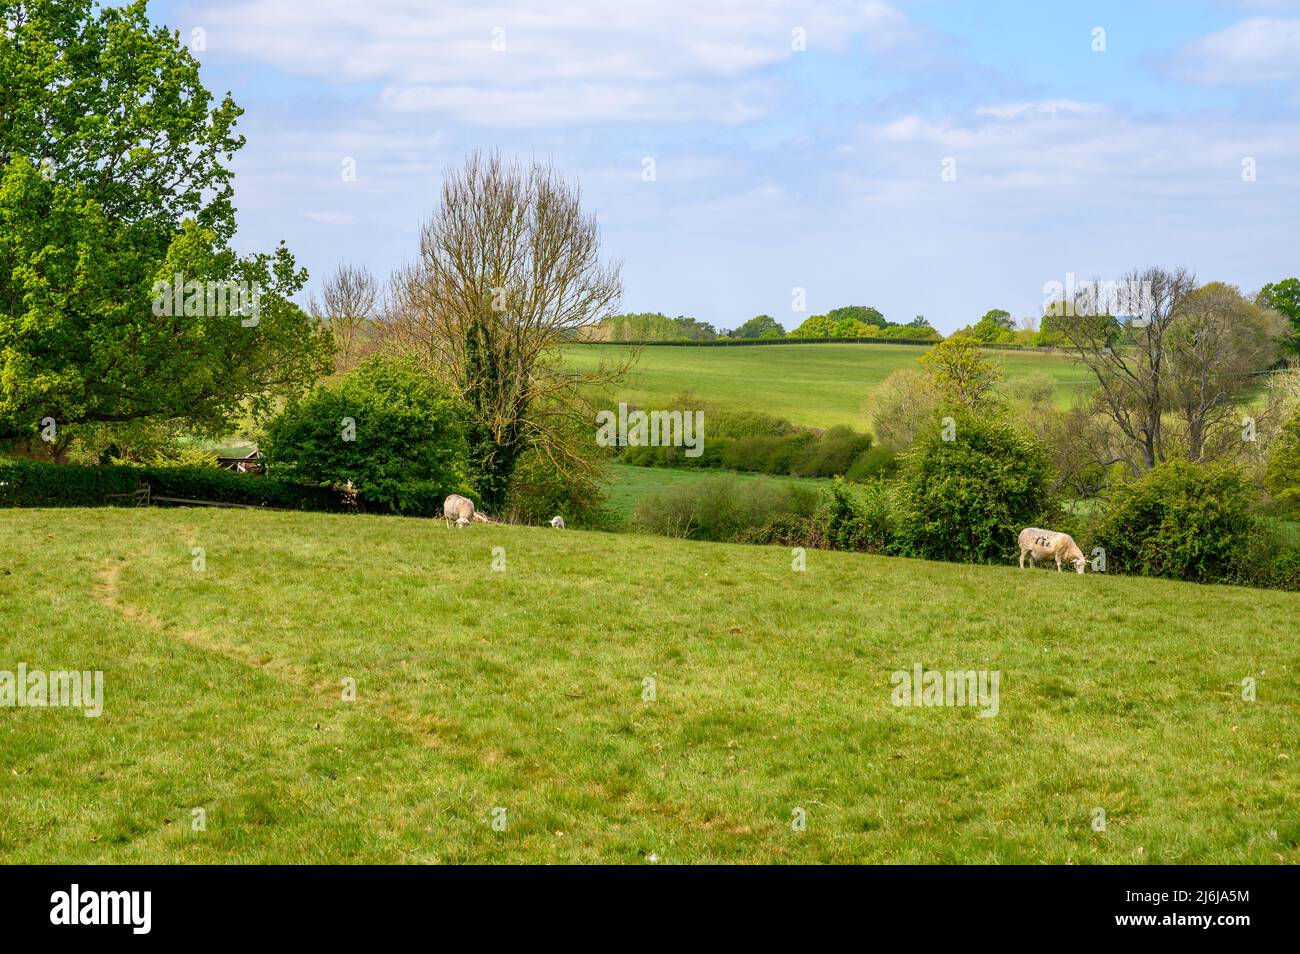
x,y
628,485
523,690
819,385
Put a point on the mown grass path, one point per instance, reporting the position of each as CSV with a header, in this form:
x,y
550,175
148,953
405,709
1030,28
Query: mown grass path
x,y
523,690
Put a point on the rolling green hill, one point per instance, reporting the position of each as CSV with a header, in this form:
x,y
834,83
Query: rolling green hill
x,y
523,696
820,385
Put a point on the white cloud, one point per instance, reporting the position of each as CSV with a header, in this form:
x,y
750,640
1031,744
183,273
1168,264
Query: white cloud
x,y
1033,162
1050,108
581,61
1256,50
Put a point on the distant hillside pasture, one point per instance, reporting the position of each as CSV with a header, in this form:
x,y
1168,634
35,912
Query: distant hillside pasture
x,y
819,385
621,699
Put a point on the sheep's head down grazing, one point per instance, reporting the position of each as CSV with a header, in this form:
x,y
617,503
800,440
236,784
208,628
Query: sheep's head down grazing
x,y
458,508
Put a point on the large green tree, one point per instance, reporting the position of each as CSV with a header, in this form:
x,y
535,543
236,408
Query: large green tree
x,y
995,325
859,313
114,176
961,374
760,326
1284,298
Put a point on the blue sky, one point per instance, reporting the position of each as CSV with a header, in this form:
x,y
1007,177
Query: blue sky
x,y
778,168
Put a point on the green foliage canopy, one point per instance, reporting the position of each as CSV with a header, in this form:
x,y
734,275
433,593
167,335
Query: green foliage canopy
x,y
119,181
1182,520
1284,298
760,326
966,498
386,426
961,373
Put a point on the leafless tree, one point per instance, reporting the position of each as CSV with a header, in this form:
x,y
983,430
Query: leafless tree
x,y
349,303
1083,444
901,405
1128,354
509,268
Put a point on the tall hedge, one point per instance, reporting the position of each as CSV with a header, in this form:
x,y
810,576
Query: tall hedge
x,y
27,483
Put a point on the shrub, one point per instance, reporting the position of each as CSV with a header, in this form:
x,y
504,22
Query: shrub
x,y
832,454
966,499
1270,556
800,452
878,463
224,486
1037,387
734,422
856,519
722,508
1283,473
1182,520
539,491
408,433
783,529
645,456
763,454
961,373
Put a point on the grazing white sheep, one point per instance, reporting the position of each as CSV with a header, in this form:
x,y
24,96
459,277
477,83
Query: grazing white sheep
x,y
458,508
557,522
1048,544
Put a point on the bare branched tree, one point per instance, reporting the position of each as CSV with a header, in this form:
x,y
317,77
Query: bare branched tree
x,y
901,405
349,303
509,268
1127,353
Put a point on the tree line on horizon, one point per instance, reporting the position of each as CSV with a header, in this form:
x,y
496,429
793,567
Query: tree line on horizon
x,y
849,321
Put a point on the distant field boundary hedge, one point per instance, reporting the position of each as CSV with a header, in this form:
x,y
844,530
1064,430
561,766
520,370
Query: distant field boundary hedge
x,y
29,483
744,342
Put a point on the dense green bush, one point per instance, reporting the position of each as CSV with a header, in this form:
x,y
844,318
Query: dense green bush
x,y
832,454
1037,387
1183,521
1270,557
224,486
406,432
738,422
878,463
764,454
966,499
710,455
856,518
722,508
